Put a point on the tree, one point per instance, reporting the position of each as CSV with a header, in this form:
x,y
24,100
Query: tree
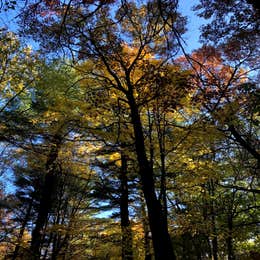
x,y
168,144
56,125
101,43
221,96
48,124
113,191
227,93
17,72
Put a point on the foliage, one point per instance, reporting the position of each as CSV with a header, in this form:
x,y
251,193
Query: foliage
x,y
124,148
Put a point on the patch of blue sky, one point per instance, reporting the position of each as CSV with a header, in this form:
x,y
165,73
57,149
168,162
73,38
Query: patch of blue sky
x,y
8,19
6,173
191,37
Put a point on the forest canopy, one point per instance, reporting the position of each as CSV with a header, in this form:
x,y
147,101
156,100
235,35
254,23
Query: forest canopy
x,y
119,142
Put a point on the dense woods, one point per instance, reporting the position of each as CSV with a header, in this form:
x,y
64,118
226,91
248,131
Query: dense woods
x,y
118,142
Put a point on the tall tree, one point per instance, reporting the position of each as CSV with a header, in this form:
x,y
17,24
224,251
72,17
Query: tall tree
x,y
101,39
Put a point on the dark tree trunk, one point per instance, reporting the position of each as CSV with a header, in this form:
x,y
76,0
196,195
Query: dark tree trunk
x,y
56,242
20,236
47,197
213,222
215,247
230,239
160,120
147,238
163,248
127,248
163,196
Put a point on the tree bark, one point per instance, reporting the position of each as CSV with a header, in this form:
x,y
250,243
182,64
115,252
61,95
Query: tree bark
x,y
163,248
147,238
230,239
127,248
20,236
215,245
160,120
46,199
213,222
163,191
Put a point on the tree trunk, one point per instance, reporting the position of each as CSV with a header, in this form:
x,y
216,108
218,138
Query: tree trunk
x,y
127,248
213,222
56,242
215,247
160,120
163,248
46,199
20,236
147,238
163,196
230,239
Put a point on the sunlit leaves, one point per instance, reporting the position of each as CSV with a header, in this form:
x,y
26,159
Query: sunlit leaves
x,y
17,71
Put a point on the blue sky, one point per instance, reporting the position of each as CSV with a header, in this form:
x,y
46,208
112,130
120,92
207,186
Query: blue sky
x,y
191,37
7,19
